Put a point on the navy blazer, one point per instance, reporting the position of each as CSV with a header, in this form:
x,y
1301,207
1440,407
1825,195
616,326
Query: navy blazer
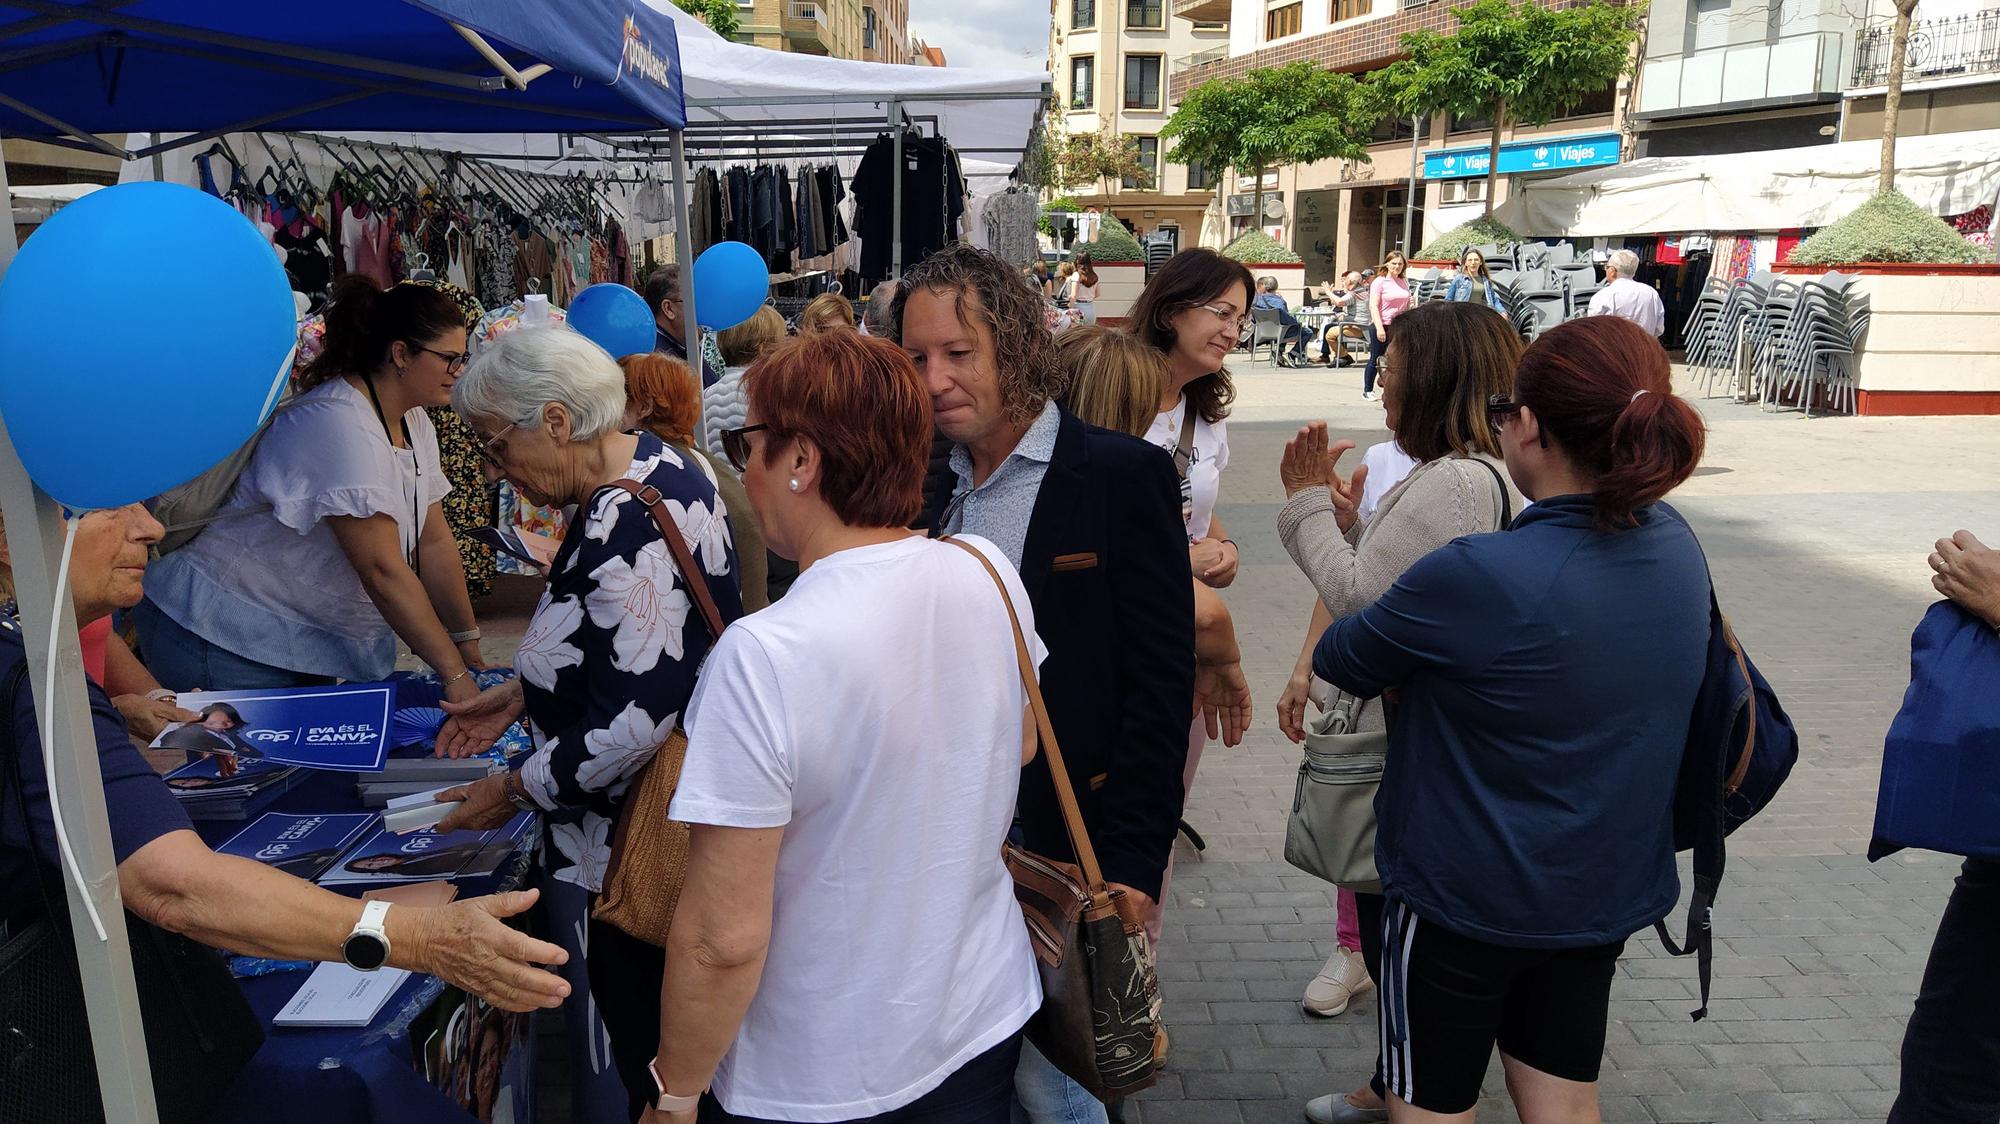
x,y
1106,569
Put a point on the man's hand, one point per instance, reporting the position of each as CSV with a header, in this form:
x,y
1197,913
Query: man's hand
x,y
483,805
1222,698
145,718
1968,572
475,724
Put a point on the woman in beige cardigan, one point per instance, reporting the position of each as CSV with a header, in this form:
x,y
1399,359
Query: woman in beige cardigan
x,y
1442,363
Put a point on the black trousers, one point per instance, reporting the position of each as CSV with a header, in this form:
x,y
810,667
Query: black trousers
x,y
625,977
1951,1049
1368,910
1376,345
979,1092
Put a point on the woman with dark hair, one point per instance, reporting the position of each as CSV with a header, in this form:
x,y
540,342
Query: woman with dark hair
x,y
1083,288
1388,297
1444,362
802,828
1543,680
333,544
1474,283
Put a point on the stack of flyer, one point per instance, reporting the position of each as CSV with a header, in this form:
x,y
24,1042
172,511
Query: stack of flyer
x,y
403,776
385,858
224,788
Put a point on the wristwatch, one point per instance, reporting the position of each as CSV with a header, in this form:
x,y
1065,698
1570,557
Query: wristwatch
x,y
367,947
668,1102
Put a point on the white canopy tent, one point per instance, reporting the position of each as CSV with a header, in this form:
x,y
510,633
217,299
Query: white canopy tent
x,y
1784,189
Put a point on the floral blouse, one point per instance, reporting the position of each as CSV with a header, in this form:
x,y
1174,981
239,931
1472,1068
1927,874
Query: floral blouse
x,y
609,660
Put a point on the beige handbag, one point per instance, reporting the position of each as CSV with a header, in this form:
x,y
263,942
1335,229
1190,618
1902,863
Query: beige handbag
x,y
1331,833
649,852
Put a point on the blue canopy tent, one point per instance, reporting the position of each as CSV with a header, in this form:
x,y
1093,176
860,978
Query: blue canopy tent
x,y
89,75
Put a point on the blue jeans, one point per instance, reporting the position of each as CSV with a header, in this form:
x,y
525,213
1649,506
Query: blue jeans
x,y
183,661
1044,1095
1376,346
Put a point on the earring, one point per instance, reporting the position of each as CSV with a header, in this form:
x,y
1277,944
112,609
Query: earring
x,y
795,483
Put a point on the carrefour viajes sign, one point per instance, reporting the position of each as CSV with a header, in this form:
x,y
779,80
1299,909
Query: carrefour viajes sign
x,y
1542,154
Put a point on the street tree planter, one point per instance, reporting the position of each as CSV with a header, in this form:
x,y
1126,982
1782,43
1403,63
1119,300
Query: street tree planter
x,y
1929,348
1119,284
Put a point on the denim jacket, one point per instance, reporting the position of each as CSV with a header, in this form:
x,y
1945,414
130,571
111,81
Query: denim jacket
x,y
1461,290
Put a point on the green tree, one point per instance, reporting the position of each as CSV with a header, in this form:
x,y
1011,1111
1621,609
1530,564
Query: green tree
x,y
1270,118
1522,64
1083,159
719,15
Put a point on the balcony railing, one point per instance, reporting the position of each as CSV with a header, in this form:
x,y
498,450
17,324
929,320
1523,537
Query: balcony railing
x,y
1789,70
1202,11
1199,58
1939,48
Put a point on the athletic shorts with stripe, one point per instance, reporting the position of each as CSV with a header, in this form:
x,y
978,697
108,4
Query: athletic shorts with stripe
x,y
1446,1000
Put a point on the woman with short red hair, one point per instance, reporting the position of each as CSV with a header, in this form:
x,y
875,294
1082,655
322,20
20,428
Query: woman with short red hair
x,y
1544,678
847,944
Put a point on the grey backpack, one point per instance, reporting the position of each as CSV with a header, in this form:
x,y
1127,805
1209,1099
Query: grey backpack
x,y
184,510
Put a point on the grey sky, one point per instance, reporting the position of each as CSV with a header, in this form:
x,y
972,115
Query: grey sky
x,y
1008,34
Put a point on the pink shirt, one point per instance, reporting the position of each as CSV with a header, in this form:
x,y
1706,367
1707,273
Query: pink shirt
x,y
1391,294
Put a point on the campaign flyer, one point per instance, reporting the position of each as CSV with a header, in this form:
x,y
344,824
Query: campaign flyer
x,y
344,728
205,777
385,858
300,845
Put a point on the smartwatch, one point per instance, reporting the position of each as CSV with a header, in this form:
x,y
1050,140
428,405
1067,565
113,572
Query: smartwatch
x,y
667,1102
367,947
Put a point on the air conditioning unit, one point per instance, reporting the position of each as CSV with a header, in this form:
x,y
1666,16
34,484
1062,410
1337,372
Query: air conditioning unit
x,y
1461,191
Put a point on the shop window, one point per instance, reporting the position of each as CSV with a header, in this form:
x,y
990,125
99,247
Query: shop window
x,y
1350,9
1142,81
1145,15
1280,22
1149,159
1082,82
1082,14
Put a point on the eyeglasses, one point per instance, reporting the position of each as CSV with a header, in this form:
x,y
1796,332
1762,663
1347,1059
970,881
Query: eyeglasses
x,y
736,445
1228,315
454,361
486,447
1498,408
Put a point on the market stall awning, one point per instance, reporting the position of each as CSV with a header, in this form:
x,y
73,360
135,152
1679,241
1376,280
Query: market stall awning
x,y
92,71
1784,189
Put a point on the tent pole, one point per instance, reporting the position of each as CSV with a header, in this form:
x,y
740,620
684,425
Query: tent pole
x,y
896,194
110,997
684,254
8,246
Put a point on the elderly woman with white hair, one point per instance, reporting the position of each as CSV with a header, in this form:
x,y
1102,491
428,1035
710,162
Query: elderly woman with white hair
x,y
608,662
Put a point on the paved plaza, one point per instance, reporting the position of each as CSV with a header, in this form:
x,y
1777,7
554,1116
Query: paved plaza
x,y
1817,532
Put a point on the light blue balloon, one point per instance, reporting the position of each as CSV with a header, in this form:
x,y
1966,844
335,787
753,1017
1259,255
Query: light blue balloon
x,y
146,331
614,318
731,283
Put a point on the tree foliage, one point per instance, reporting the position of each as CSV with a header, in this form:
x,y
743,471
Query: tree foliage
x,y
1889,227
720,15
1514,63
1270,118
1086,159
1254,247
1058,204
1114,243
1452,244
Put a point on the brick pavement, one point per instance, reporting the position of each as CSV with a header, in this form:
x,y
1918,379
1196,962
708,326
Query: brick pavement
x,y
1816,532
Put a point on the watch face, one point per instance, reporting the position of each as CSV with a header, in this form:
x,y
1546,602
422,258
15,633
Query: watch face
x,y
365,951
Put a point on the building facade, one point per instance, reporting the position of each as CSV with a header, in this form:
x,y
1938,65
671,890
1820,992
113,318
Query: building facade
x,y
874,30
1423,177
1951,73
1109,62
1723,76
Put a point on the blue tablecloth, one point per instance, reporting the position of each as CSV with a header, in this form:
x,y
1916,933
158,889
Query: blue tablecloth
x,y
357,1075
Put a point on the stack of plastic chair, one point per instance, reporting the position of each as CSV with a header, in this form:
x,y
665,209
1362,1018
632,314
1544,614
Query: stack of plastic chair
x,y
1539,302
1701,335
1580,283
1744,299
1532,255
1560,254
1496,257
1810,353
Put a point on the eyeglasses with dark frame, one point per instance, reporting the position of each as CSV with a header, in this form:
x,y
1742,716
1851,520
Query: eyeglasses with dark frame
x,y
454,361
736,445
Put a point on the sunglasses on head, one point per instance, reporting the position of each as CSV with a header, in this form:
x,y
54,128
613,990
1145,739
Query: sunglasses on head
x,y
1499,407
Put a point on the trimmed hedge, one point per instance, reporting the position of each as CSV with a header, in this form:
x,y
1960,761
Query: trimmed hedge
x,y
1449,245
1888,228
1259,248
1114,243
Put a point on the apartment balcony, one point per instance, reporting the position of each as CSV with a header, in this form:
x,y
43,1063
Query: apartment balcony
x,y
1199,58
1791,70
807,29
1949,47
1202,11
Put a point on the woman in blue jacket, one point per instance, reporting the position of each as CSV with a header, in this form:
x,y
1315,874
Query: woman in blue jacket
x,y
1474,283
1542,681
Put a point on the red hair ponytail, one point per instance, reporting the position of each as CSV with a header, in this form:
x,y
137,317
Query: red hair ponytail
x,y
1602,389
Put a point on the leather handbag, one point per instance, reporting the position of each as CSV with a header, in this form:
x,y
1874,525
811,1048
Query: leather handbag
x,y
1331,833
649,852
1100,1017
199,1029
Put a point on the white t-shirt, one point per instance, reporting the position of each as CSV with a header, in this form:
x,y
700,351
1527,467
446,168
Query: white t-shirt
x,y
1210,455
875,714
1387,465
274,585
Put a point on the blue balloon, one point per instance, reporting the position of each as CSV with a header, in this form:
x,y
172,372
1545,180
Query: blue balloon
x,y
146,331
730,284
614,318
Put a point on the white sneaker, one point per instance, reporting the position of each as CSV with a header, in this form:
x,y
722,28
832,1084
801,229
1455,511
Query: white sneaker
x,y
1335,1109
1369,396
1337,985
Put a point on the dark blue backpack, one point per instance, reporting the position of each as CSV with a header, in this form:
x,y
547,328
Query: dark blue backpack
x,y
1740,748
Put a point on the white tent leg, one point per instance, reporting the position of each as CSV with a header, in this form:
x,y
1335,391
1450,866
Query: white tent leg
x,y
684,253
896,194
110,997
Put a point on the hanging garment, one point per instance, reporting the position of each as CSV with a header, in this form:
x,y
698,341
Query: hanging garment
x,y
739,220
534,260
1010,227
